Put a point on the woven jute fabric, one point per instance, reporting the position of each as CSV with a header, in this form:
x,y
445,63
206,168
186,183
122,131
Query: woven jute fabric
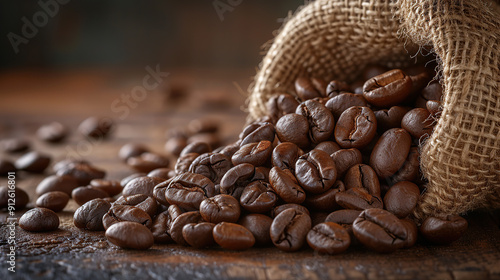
x,y
336,39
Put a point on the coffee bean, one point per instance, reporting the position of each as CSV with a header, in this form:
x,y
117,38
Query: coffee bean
x,y
390,152
411,231
196,147
82,172
358,199
53,132
120,213
6,166
434,107
163,222
410,169
379,230
258,197
130,235
87,193
286,186
20,199
285,155
338,104
402,198
364,177
256,132
320,119
233,236
14,145
278,209
289,230
212,139
328,238
433,91
159,192
236,179
141,185
52,183
443,230
390,118
39,219
199,235
345,159
95,127
131,177
418,122
220,208
164,173
131,150
259,225
111,187
144,202
184,162
329,147
34,162
335,87
147,162
212,166
356,127
229,150
345,218
55,201
293,128
281,104
179,223
188,190
388,89
254,153
306,90
89,215
175,145
203,125
65,162
316,171
325,201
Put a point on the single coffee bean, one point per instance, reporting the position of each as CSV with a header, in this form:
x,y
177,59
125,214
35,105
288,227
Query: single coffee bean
x,y
380,230
39,219
259,225
285,155
159,192
34,162
130,235
89,215
358,199
279,105
345,159
20,199
434,91
338,104
53,132
6,166
390,152
120,213
87,193
411,231
345,218
254,153
163,222
258,197
95,127
321,121
410,169
418,122
196,147
188,190
131,150
14,145
233,236
175,145
111,187
147,162
316,171
142,185
144,202
306,90
52,183
82,172
434,107
165,173
388,89
443,230
293,128
179,223
278,209
356,127
364,177
131,177
390,118
237,178
335,87
184,162
220,208
402,198
55,201
65,162
328,238
212,166
256,132
229,150
289,230
329,147
325,202
199,235
286,186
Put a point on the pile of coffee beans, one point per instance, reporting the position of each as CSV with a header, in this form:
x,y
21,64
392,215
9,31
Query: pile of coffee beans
x,y
333,165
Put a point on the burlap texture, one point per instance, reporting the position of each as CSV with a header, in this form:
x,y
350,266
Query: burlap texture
x,y
336,39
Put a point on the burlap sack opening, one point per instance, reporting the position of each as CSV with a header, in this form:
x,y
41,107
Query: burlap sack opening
x,y
335,39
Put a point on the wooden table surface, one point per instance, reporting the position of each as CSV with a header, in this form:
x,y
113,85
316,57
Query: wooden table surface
x,y
31,98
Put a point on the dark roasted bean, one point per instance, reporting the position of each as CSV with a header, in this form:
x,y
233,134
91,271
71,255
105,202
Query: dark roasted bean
x,y
338,104
52,183
131,150
443,230
233,236
89,215
259,225
82,172
212,166
328,238
196,147
329,147
120,213
281,104
418,122
286,186
388,89
320,119
94,127
293,128
39,219
285,155
146,162
390,152
162,223
144,202
356,127
358,199
199,235
402,198
179,223
111,187
256,132
390,118
345,159
325,201
278,209
83,194
184,162
33,162
316,171
289,229
254,153
129,235
188,190
220,208
258,197
55,201
9,195
142,185
362,176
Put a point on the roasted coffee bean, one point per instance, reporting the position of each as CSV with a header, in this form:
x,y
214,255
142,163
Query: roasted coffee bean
x,y
320,119
328,238
163,222
120,213
199,235
89,215
258,197
96,127
179,223
131,177
111,187
373,70
165,173
131,150
220,208
184,162
130,235
188,190
335,87
411,231
433,91
390,118
410,169
306,89
212,139
53,132
33,162
328,147
364,177
356,127
285,155
39,219
379,230
175,145
388,89
286,185
338,104
254,153
142,185
52,183
159,192
82,172
259,225
443,230
212,166
345,159
316,171
144,202
256,132
6,166
229,150
418,122
434,108
203,125
14,145
279,105
289,229
237,178
66,162
345,218
17,196
278,209
358,199
196,147
325,201
233,236
83,194
390,152
293,128
402,198
55,201
148,161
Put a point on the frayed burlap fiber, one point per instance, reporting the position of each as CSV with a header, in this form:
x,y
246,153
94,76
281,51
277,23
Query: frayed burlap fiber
x,y
336,39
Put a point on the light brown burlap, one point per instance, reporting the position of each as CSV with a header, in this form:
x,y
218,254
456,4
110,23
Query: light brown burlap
x,y
336,39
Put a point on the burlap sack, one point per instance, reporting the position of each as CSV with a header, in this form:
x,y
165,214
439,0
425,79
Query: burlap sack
x,y
335,39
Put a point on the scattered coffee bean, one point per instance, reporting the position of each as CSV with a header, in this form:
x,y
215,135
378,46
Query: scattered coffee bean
x,y
89,215
146,162
53,132
443,230
130,235
34,162
55,201
95,127
14,145
131,150
53,183
39,219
